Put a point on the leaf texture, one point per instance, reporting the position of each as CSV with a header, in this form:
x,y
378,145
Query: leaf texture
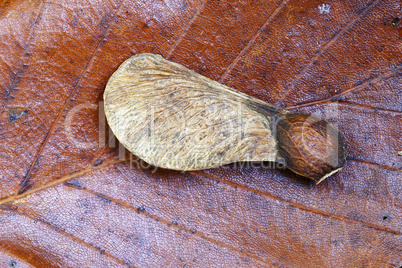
x,y
71,196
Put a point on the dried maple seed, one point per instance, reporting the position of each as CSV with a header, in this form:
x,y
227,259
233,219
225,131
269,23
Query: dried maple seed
x,y
174,118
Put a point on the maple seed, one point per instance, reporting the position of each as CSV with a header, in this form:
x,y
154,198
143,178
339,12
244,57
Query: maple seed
x,y
172,117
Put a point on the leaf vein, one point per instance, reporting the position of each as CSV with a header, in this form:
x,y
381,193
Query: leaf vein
x,y
25,182
252,41
189,24
294,204
323,49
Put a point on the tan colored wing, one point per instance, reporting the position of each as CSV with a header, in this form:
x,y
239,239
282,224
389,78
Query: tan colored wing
x,y
174,118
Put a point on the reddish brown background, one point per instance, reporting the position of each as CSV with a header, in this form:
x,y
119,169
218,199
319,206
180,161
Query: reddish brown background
x,y
64,206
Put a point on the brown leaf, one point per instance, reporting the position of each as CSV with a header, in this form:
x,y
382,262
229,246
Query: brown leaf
x,y
69,198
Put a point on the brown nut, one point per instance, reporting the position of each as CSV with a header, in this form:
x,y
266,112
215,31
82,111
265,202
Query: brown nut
x,y
310,146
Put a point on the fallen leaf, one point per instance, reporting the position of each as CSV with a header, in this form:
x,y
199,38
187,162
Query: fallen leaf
x,y
71,196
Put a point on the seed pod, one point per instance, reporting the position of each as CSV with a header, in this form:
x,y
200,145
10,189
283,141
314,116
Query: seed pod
x,y
174,118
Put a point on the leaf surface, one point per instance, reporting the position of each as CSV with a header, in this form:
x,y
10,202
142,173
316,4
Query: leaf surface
x,y
70,196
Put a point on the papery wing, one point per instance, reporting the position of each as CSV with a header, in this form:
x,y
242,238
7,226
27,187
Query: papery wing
x,y
174,118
